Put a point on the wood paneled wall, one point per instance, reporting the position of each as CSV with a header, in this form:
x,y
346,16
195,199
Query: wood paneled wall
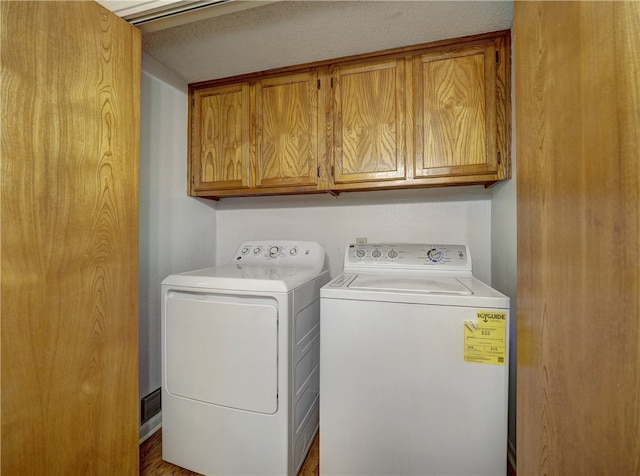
x,y
69,240
577,80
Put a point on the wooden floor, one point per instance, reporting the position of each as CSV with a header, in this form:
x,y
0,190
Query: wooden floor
x,y
151,463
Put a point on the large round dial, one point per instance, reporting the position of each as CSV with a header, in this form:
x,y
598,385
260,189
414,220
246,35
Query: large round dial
x,y
392,254
360,253
376,253
273,251
435,255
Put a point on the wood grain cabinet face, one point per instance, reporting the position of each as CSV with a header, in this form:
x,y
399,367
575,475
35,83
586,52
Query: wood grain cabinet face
x,y
369,129
69,215
435,114
220,139
459,112
286,132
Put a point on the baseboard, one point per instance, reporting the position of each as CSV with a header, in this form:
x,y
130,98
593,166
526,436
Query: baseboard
x,y
511,459
149,427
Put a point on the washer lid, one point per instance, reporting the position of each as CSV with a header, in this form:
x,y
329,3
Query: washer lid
x,y
419,284
414,289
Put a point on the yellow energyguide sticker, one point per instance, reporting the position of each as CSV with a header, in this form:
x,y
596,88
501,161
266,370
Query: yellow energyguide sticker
x,y
485,339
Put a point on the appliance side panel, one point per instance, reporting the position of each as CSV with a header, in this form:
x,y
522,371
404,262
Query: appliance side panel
x,y
305,369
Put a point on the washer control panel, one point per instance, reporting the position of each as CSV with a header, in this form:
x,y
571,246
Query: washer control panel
x,y
408,256
280,253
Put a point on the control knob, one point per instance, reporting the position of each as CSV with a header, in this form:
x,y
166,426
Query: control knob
x,y
435,255
360,253
273,251
376,253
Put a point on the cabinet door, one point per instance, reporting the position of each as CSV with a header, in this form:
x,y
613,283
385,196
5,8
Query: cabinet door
x,y
578,192
220,138
70,128
455,112
369,122
286,132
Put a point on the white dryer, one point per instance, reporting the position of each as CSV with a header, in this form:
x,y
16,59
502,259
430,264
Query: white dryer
x,y
240,355
413,365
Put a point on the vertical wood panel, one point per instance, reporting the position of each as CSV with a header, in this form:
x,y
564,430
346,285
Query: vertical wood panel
x,y
458,117
69,230
287,131
370,111
455,111
578,115
220,137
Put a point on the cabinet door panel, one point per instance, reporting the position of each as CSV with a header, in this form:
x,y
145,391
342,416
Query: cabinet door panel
x,y
369,131
455,112
286,152
69,201
220,138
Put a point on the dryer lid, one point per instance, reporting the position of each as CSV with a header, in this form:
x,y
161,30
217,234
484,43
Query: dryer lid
x,y
268,266
239,277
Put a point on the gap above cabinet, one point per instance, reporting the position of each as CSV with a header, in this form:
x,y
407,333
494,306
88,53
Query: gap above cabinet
x,y
435,114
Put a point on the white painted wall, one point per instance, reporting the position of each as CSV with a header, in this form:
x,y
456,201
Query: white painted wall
x,y
451,215
177,233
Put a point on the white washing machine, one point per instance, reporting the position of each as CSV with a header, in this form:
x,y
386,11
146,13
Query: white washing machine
x,y
240,355
413,365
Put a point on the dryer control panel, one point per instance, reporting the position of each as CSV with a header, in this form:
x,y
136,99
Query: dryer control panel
x,y
281,253
441,258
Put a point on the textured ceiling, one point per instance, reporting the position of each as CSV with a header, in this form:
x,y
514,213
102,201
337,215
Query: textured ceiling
x,y
294,32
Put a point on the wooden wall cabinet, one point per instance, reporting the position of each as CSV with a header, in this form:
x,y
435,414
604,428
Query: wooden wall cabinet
x,y
220,140
426,115
369,133
458,104
285,153
256,136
